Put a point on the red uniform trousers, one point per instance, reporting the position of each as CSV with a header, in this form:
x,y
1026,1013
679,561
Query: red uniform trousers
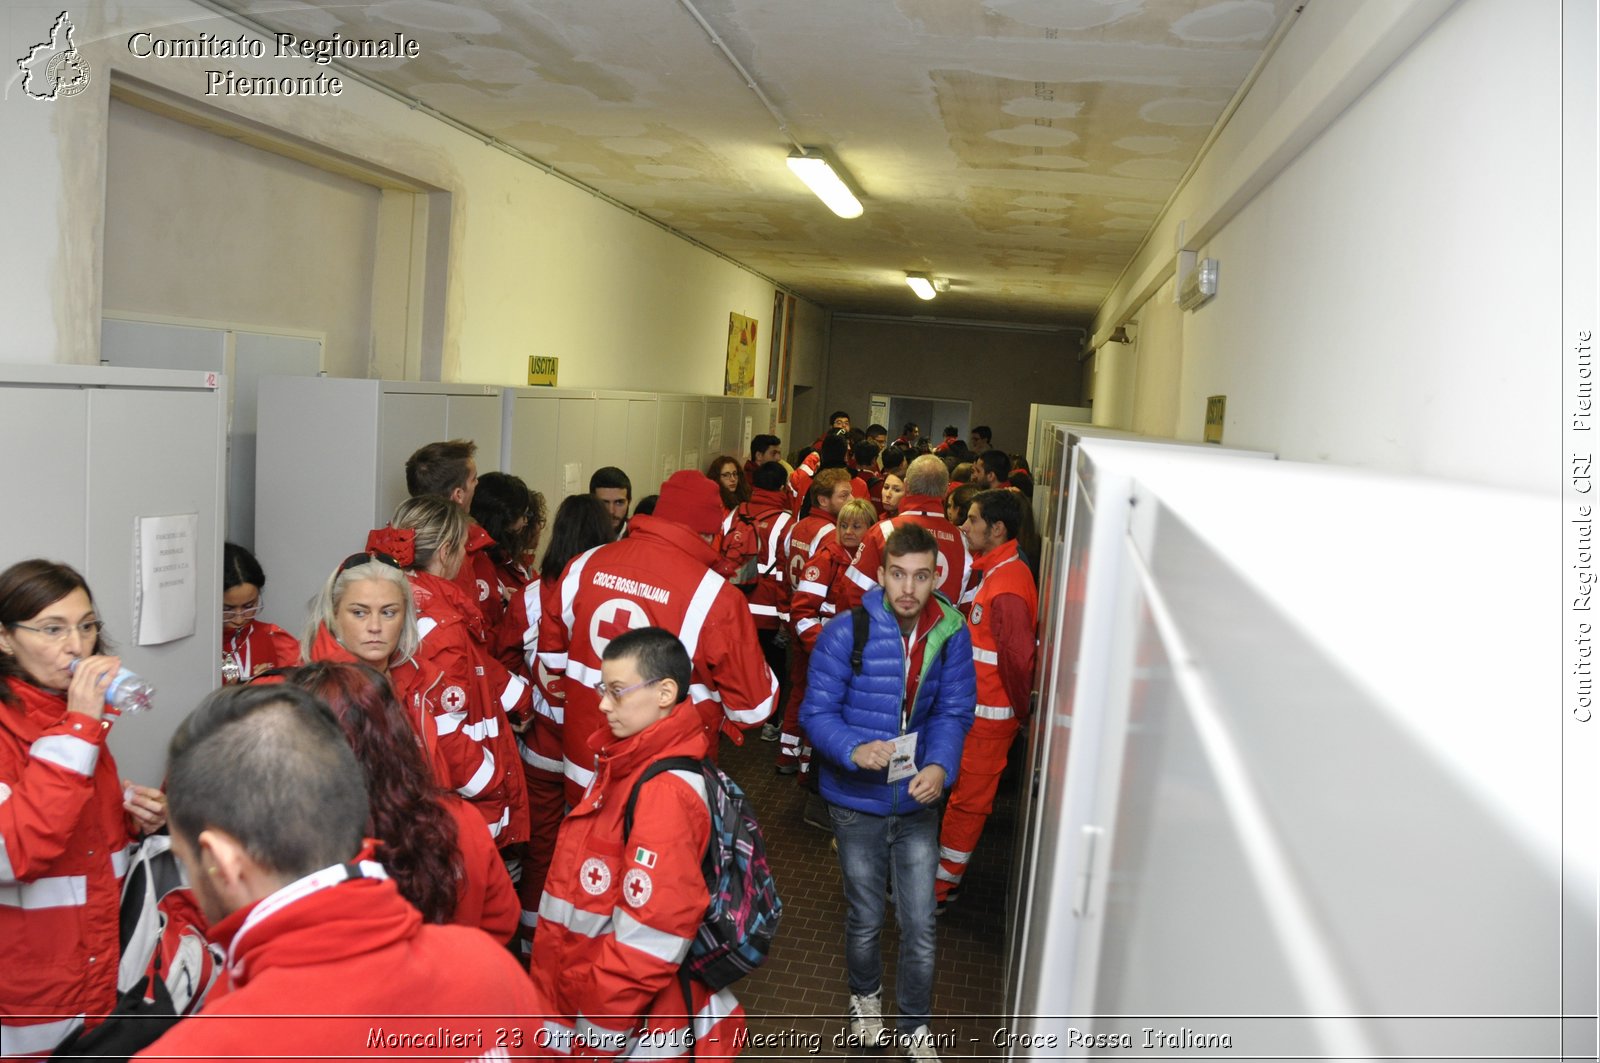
x,y
983,759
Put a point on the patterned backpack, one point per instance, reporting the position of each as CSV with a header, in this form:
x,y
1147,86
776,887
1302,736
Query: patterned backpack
x,y
743,915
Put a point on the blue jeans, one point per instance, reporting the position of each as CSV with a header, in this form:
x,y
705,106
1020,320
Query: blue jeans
x,y
870,847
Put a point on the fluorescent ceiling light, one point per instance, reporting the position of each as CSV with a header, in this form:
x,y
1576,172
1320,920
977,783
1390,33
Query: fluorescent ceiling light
x,y
819,176
920,284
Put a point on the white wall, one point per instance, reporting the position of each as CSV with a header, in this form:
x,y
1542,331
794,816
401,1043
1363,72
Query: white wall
x,y
1390,290
202,227
535,265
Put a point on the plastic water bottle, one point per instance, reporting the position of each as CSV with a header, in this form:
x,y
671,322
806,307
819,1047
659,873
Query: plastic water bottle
x,y
128,693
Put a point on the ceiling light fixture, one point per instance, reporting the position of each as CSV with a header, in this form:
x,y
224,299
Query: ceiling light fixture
x,y
824,179
920,284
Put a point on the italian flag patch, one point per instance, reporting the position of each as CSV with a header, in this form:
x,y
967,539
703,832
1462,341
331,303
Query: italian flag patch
x,y
644,857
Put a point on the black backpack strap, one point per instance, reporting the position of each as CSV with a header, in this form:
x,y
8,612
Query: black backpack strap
x,y
861,624
664,764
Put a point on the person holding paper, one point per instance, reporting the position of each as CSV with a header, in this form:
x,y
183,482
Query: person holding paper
x,y
887,715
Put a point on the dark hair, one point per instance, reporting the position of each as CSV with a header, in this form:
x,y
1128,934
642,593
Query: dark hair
x,y
997,462
866,453
832,452
612,477
982,430
439,468
741,491
763,442
835,415
1001,506
658,653
961,500
27,589
239,566
771,476
962,473
1018,461
908,428
893,458
951,431
910,538
421,848
499,502
1020,479
877,430
581,524
646,506
270,766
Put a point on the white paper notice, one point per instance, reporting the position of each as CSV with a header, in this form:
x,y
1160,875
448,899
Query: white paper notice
x,y
164,596
691,459
714,434
572,478
666,469
749,434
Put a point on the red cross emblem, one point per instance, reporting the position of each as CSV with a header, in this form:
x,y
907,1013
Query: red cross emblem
x,y
594,876
454,698
616,616
636,887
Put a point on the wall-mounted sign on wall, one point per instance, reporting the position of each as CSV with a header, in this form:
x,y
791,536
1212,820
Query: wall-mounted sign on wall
x,y
542,371
1216,407
740,378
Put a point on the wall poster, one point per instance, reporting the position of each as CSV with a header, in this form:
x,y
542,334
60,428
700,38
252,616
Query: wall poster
x,y
775,353
787,359
740,378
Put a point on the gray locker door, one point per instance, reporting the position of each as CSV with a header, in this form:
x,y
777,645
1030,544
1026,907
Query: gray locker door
x,y
694,435
475,417
611,440
669,435
155,453
46,495
405,422
534,428
256,355
642,460
575,445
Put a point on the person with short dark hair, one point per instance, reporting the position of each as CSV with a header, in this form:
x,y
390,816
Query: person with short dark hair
x,y
268,816
980,438
952,437
991,468
446,468
512,516
253,645
659,576
646,505
67,821
763,448
833,452
763,523
621,907
615,491
878,434
958,502
888,737
1004,623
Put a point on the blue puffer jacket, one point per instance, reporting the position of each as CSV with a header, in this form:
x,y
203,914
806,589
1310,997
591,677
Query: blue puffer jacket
x,y
842,710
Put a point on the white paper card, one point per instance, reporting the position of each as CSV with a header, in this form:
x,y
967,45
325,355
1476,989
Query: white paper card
x,y
749,433
714,434
572,478
903,761
164,596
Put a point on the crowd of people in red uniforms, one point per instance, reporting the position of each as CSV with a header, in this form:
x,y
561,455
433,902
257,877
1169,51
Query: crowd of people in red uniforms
x,y
470,682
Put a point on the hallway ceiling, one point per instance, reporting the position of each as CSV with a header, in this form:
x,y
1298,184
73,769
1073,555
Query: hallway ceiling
x,y
1019,148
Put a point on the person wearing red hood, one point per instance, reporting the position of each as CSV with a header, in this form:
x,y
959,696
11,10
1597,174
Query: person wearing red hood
x,y
764,579
659,576
923,503
324,956
427,537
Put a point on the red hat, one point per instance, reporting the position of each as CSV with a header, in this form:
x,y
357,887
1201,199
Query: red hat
x,y
693,500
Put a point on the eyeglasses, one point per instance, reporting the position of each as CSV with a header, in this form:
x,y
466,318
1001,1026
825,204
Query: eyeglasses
x,y
617,695
241,612
361,559
89,629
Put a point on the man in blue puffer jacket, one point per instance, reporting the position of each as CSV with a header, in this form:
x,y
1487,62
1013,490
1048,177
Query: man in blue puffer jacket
x,y
888,736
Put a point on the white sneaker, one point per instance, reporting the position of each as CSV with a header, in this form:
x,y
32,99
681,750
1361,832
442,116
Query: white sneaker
x,y
771,732
918,1044
866,1020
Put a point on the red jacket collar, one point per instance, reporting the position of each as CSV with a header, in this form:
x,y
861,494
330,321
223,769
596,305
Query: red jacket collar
x,y
994,558
925,505
682,734
762,500
35,708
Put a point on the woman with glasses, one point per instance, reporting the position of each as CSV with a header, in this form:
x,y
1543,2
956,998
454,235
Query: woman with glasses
x,y
729,477
253,645
66,819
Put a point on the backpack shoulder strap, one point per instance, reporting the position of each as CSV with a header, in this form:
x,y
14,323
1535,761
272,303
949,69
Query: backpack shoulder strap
x,y
664,764
861,625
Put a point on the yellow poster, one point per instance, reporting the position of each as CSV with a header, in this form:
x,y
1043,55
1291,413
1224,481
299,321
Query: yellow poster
x,y
1216,413
741,375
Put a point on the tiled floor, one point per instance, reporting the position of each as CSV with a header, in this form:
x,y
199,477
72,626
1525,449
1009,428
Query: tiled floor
x,y
796,1002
